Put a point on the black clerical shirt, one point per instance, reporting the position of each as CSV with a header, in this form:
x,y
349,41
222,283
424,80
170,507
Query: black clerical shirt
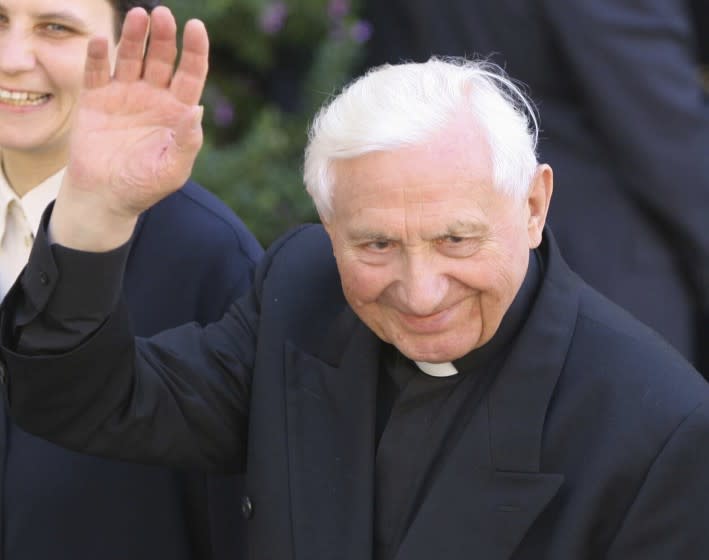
x,y
420,417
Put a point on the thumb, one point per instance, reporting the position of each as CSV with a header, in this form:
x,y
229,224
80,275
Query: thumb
x,y
187,140
188,133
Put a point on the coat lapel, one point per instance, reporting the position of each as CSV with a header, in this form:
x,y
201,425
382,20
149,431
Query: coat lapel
x,y
331,404
492,487
474,510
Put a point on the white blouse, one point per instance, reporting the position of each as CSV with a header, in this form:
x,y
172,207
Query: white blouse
x,y
19,220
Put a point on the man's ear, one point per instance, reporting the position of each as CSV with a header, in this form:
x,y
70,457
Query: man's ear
x,y
538,199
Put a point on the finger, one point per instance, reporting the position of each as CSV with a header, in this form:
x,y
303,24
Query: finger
x,y
162,48
188,82
131,47
97,70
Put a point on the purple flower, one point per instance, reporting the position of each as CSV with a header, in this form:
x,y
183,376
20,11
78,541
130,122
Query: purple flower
x,y
361,31
338,9
273,17
223,112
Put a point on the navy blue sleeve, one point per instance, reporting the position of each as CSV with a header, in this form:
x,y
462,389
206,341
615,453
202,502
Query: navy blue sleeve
x,y
179,398
44,298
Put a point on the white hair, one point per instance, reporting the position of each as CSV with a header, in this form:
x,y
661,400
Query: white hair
x,y
396,106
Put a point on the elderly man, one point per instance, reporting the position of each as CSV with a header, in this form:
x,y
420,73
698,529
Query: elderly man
x,y
444,387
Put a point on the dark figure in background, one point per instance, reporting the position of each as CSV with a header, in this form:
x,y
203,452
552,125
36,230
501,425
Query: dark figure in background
x,y
624,127
700,9
190,258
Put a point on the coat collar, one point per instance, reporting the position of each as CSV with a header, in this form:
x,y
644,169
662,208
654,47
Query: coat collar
x,y
527,380
490,489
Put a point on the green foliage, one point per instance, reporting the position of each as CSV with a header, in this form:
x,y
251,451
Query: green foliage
x,y
272,64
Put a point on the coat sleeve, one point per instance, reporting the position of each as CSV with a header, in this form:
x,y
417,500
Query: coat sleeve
x,y
178,399
668,518
636,68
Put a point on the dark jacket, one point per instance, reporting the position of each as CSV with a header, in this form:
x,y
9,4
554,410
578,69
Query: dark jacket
x,y
624,126
591,443
700,10
190,258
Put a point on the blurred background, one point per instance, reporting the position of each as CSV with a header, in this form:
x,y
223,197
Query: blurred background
x,y
273,63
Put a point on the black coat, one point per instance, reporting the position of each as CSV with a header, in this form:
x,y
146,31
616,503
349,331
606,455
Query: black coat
x,y
591,443
624,126
190,258
700,10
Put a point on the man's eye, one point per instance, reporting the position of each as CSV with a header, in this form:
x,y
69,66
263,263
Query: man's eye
x,y
453,240
379,245
457,246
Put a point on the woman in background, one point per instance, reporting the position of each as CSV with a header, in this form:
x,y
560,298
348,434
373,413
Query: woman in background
x,y
55,503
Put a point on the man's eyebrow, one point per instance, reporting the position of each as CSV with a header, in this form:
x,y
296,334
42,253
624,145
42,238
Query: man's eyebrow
x,y
466,227
456,228
366,234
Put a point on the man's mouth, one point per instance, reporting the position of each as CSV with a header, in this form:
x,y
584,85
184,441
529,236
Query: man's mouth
x,y
22,98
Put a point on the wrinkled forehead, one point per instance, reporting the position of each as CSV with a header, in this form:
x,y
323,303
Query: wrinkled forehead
x,y
416,194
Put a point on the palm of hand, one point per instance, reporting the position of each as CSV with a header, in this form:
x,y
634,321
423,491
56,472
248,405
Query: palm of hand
x,y
136,131
137,127
124,144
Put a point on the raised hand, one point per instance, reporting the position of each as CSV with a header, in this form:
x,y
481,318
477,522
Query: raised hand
x,y
136,133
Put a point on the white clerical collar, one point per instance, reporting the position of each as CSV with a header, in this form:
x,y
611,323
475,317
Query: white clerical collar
x,y
446,369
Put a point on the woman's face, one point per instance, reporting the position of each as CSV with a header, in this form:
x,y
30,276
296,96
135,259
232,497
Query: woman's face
x,y
42,54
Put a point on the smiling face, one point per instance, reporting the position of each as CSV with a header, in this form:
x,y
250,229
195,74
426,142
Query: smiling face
x,y
42,53
430,254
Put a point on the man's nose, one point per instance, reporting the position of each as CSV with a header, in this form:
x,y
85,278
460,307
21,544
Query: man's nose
x,y
16,53
423,287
